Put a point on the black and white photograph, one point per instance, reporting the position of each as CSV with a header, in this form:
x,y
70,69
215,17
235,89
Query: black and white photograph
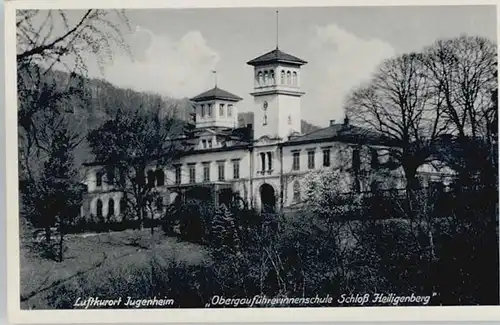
x,y
268,157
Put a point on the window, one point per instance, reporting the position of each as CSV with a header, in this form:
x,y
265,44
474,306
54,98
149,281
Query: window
x,y
326,157
310,159
294,78
356,159
229,110
263,161
209,107
236,169
111,207
221,110
288,77
151,178
202,111
374,160
139,178
289,119
192,174
206,172
273,81
260,78
269,161
110,175
266,79
282,77
123,205
98,181
221,171
204,144
177,174
159,204
296,191
265,120
296,161
210,143
99,208
160,177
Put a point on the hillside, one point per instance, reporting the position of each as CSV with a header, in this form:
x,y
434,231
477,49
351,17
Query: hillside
x,y
93,101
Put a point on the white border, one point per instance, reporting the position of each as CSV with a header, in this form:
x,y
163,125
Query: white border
x,y
339,314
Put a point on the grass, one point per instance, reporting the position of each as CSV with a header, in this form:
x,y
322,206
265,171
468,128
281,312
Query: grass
x,y
88,255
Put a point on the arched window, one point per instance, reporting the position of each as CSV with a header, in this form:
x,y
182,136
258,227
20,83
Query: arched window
x,y
296,191
273,81
259,78
288,77
99,208
151,178
282,77
111,207
123,205
160,177
266,78
294,78
202,111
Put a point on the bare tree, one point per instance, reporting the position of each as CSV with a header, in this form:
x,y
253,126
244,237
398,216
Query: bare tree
x,y
51,41
463,71
49,37
400,104
132,142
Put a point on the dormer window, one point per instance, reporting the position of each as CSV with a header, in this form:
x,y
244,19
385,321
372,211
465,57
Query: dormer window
x,y
229,110
221,110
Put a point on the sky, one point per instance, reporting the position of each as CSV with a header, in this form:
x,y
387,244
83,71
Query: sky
x,y
175,50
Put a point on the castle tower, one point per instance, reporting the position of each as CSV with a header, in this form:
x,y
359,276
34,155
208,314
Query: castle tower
x,y
277,94
216,108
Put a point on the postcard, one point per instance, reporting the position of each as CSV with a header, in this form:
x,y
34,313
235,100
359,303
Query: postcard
x,y
210,161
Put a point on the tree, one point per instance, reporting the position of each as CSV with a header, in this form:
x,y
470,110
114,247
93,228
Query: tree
x,y
132,142
51,41
225,239
57,195
463,72
399,103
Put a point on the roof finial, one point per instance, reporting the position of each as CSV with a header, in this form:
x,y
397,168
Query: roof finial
x,y
277,28
215,78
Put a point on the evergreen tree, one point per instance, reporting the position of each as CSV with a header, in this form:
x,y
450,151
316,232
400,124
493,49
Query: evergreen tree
x,y
57,196
225,237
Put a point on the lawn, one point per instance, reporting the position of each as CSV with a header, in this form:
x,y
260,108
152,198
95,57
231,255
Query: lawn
x,y
89,255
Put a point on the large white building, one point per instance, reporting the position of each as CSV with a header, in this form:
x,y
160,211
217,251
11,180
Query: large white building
x,y
264,161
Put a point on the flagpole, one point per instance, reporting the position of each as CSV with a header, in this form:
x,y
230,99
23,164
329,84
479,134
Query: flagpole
x,y
277,28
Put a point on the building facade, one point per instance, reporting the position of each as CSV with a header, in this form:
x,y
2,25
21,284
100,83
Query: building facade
x,y
262,162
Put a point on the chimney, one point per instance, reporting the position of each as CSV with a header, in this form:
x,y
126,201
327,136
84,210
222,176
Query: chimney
x,y
346,121
332,122
250,131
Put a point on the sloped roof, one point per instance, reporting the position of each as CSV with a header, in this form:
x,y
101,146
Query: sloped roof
x,y
276,55
216,93
348,133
